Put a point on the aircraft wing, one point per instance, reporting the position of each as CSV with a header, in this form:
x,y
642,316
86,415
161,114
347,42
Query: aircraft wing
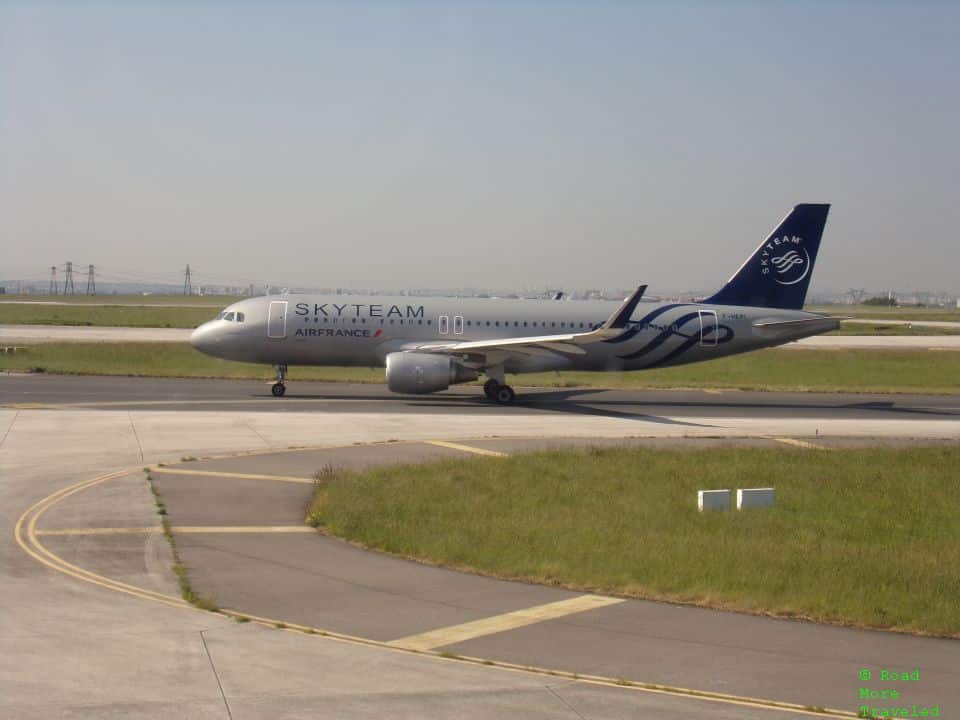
x,y
497,349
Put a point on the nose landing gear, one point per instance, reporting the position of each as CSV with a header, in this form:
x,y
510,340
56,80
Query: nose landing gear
x,y
279,388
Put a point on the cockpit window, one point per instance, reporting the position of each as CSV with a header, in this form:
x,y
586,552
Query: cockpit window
x,y
220,316
240,317
228,317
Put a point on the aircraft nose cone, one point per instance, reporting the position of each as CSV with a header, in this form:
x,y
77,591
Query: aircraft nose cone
x,y
205,339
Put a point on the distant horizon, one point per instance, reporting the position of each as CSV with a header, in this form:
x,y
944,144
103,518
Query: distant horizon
x,y
609,293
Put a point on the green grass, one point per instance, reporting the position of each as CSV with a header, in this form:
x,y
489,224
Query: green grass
x,y
883,371
886,330
213,301
159,360
106,316
868,537
203,602
880,371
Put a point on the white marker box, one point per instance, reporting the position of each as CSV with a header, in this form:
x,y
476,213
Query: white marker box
x,y
713,500
755,497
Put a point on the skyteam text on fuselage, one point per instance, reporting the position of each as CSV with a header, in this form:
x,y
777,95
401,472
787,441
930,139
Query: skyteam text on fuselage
x,y
428,344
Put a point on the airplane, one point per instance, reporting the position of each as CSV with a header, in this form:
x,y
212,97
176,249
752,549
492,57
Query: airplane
x,y
429,344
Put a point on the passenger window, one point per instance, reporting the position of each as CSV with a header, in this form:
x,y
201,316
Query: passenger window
x,y
516,324
228,317
240,317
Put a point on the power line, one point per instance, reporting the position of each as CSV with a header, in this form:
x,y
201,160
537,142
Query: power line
x,y
53,280
187,285
91,281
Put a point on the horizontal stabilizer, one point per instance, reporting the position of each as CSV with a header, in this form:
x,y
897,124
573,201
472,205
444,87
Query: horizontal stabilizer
x,y
814,325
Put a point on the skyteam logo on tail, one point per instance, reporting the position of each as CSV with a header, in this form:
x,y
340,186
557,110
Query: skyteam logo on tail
x,y
785,260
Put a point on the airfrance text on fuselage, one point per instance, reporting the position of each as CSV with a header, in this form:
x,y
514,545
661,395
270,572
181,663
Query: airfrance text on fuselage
x,y
355,310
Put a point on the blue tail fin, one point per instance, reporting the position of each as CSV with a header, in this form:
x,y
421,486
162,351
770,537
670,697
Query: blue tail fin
x,y
778,273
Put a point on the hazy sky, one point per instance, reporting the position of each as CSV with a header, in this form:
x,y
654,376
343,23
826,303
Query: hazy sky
x,y
497,144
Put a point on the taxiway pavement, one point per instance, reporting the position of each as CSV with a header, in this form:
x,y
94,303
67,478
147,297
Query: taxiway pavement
x,y
74,647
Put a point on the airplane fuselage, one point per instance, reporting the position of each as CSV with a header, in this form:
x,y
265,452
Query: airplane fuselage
x,y
363,330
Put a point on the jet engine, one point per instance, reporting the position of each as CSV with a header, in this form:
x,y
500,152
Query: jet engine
x,y
424,372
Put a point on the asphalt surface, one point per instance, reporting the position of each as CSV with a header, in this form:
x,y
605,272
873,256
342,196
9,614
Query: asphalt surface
x,y
169,394
73,648
317,581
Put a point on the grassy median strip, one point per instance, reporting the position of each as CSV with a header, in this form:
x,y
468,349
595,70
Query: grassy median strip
x,y
864,537
107,315
204,602
160,360
881,371
890,330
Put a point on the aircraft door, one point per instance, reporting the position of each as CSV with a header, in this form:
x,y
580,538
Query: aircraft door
x,y
708,328
458,324
443,324
277,320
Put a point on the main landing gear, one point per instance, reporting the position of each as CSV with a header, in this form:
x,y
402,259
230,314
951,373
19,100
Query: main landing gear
x,y
278,388
499,393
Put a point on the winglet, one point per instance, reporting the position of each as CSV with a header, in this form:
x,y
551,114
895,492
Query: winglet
x,y
622,316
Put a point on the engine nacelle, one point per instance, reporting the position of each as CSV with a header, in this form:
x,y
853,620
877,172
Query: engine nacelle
x,y
424,372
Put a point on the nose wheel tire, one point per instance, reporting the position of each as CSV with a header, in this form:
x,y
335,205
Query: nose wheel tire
x,y
278,389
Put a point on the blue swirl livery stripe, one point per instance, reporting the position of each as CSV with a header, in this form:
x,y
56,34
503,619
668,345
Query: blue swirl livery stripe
x,y
637,326
663,337
690,342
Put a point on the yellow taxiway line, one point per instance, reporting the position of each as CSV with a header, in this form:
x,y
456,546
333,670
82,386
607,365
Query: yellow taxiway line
x,y
229,475
99,531
500,623
465,448
26,535
799,443
185,529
